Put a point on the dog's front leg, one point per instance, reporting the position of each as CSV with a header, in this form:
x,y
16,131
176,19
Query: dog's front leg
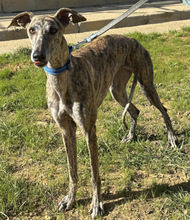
x,y
96,205
68,129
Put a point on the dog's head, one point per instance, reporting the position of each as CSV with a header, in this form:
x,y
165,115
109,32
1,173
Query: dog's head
x,y
45,32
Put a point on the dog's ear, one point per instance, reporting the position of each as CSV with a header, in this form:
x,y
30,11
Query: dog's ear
x,y
21,19
65,15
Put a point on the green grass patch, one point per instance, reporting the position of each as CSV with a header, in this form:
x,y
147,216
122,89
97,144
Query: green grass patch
x,y
145,179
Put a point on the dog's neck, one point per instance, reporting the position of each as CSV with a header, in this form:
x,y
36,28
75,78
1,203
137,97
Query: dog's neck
x,y
59,83
60,56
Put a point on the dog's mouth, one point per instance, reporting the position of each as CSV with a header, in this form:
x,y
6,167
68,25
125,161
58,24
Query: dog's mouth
x,y
40,63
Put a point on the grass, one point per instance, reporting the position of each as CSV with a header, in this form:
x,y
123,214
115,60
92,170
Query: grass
x,y
145,179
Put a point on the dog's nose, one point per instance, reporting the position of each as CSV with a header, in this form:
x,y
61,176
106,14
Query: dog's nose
x,y
37,56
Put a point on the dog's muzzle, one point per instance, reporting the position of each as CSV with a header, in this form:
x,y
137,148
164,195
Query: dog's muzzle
x,y
39,59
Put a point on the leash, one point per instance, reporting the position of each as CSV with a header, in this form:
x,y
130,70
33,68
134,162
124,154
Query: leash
x,y
111,24
187,2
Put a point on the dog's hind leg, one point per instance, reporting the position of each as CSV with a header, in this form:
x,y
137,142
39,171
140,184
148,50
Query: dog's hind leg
x,y
152,95
118,92
149,90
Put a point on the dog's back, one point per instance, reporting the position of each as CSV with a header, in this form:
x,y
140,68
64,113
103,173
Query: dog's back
x,y
96,64
108,53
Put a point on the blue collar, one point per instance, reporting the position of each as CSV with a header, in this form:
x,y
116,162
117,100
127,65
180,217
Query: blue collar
x,y
62,69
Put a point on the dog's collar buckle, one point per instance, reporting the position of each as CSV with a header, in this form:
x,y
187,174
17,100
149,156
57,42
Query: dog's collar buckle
x,y
62,69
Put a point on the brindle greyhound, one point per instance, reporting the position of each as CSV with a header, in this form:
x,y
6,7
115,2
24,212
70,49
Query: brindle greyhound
x,y
75,95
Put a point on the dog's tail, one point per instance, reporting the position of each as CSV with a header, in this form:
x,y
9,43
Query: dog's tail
x,y
129,101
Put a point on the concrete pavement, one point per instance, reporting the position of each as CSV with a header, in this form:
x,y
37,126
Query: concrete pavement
x,y
31,5
152,17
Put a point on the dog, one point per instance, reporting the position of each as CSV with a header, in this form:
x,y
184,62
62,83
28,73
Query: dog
x,y
77,84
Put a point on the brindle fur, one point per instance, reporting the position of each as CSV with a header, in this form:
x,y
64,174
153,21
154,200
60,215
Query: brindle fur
x,y
75,95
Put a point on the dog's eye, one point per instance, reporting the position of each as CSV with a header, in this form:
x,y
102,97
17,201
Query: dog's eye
x,y
32,31
53,30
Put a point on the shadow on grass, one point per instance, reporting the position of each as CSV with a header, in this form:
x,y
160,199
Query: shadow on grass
x,y
142,135
37,197
123,196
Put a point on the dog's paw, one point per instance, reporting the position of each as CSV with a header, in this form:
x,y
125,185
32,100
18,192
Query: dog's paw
x,y
127,139
172,139
65,204
96,209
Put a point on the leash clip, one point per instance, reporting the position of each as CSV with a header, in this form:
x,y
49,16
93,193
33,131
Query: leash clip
x,y
78,46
